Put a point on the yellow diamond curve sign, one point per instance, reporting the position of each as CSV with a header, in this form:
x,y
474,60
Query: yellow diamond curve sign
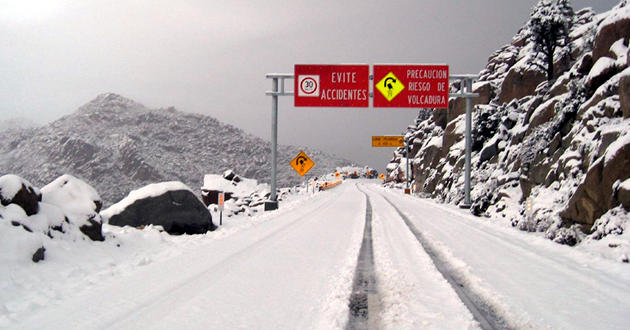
x,y
302,163
390,86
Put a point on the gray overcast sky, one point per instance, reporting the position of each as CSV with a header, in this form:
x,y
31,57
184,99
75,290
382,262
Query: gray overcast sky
x,y
211,57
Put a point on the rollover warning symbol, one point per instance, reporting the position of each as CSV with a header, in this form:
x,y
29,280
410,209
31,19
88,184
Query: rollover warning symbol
x,y
390,86
302,163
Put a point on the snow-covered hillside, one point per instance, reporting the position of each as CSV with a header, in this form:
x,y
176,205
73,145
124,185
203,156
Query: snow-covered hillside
x,y
117,145
561,146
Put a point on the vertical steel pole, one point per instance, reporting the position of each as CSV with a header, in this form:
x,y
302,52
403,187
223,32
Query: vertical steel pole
x,y
408,155
274,137
468,86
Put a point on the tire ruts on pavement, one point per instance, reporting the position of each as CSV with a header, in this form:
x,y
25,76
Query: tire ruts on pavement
x,y
362,313
487,317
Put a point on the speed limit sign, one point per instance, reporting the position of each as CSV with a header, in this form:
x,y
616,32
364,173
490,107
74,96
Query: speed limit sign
x,y
308,85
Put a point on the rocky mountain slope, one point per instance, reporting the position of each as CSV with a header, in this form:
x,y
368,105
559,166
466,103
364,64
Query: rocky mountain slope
x,y
548,156
117,145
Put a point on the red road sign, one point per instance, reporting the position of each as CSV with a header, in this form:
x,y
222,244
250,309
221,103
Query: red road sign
x,y
332,85
410,86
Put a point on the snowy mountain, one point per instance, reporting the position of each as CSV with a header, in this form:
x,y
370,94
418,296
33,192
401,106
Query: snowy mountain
x,y
549,156
117,145
16,124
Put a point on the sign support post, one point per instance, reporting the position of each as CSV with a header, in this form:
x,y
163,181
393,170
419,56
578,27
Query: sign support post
x,y
272,203
278,89
274,141
466,92
408,191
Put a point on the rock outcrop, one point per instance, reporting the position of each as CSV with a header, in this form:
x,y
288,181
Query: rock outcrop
x,y
559,145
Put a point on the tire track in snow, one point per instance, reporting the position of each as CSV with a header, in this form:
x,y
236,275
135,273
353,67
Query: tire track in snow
x,y
483,313
363,300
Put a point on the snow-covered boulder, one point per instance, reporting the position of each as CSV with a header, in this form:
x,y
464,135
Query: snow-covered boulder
x,y
16,190
79,202
613,28
594,196
171,205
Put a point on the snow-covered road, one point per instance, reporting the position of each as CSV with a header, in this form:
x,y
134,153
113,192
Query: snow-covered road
x,y
293,271
530,281
295,268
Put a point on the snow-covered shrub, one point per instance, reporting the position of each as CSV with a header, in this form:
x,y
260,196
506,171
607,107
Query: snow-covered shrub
x,y
611,223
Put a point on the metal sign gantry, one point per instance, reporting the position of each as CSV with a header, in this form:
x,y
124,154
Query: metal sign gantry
x,y
278,89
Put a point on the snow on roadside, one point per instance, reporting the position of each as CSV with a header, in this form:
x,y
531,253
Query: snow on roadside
x,y
74,266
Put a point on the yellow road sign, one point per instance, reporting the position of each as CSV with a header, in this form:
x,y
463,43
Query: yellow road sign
x,y
302,164
388,141
390,86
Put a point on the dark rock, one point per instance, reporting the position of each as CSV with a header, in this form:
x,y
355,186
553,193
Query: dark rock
x,y
520,82
177,211
594,196
27,197
488,152
440,117
585,63
526,187
624,95
212,196
74,152
607,138
93,230
229,175
39,255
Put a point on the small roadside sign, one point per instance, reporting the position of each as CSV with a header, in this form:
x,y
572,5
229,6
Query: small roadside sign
x,y
221,201
388,141
221,205
382,176
302,163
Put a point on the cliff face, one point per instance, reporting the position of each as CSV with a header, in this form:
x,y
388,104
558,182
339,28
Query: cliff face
x,y
117,145
560,146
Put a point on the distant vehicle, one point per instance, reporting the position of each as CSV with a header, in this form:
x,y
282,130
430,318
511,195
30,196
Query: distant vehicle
x,y
354,175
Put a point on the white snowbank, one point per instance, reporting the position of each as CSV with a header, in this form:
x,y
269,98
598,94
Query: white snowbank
x,y
73,196
152,190
244,187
